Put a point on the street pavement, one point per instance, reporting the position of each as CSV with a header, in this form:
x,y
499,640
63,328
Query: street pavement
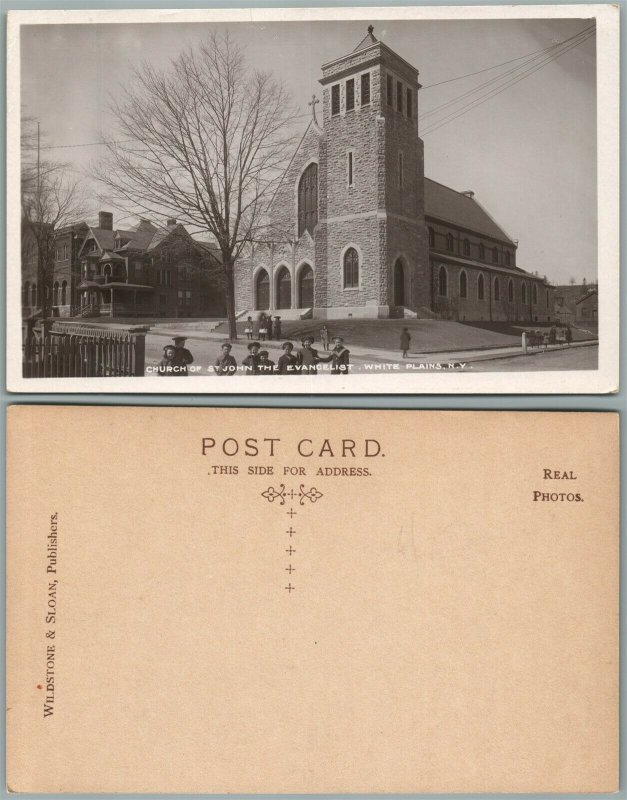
x,y
205,348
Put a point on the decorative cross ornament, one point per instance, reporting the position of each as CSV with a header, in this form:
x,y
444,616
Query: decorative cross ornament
x,y
313,103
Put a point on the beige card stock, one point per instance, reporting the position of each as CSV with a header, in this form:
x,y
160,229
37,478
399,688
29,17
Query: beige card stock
x,y
218,600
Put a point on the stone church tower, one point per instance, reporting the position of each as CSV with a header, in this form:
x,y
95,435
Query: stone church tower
x,y
349,211
371,187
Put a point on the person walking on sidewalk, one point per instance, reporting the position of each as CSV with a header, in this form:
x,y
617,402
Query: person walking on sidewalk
x,y
405,340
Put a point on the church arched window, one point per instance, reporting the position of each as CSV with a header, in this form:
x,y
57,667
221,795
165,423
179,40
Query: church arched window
x,y
535,294
308,200
480,288
495,256
547,298
64,293
466,247
523,292
463,284
262,287
449,242
431,237
442,282
508,260
481,251
497,289
351,269
26,294
55,294
510,291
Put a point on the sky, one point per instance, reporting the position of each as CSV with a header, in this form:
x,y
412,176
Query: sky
x,y
528,153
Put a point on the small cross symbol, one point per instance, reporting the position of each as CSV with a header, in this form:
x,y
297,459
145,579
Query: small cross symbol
x,y
312,104
290,569
291,494
291,513
290,588
290,550
290,531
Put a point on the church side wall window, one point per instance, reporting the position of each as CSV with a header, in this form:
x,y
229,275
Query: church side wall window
x,y
431,237
466,247
350,94
308,200
481,251
463,284
495,255
400,170
510,291
480,288
497,289
410,103
351,269
523,291
335,99
365,89
399,97
535,294
449,242
442,282
390,90
507,258
349,167
547,298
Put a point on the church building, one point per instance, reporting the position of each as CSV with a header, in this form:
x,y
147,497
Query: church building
x,y
356,230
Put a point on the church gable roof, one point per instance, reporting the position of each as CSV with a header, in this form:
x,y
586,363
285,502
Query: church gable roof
x,y
462,210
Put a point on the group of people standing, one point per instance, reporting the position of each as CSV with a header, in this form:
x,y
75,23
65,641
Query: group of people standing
x,y
302,362
264,327
176,358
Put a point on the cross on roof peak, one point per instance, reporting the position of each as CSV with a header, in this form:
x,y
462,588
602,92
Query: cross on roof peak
x,y
312,104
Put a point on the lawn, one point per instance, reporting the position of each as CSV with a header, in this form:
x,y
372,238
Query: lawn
x,y
426,335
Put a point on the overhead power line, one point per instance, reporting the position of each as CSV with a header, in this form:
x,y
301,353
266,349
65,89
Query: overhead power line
x,y
504,63
493,93
537,59
541,57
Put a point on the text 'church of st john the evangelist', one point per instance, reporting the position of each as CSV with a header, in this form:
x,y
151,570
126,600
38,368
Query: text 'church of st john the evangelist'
x,y
360,232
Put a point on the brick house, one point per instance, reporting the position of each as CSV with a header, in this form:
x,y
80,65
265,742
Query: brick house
x,y
356,230
148,271
60,282
145,271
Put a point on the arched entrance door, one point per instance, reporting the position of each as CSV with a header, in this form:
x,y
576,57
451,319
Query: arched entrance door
x,y
399,283
284,289
262,291
306,287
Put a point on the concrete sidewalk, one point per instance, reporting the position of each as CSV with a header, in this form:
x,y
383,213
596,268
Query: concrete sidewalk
x,y
393,356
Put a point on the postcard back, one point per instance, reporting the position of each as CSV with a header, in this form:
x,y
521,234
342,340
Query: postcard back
x,y
220,600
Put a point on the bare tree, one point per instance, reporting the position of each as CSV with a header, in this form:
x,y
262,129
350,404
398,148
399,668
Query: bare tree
x,y
205,141
52,198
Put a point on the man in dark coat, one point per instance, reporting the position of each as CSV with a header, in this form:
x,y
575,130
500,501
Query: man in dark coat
x,y
251,362
225,363
288,363
405,340
568,335
182,356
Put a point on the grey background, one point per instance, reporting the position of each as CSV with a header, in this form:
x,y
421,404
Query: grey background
x,y
610,403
